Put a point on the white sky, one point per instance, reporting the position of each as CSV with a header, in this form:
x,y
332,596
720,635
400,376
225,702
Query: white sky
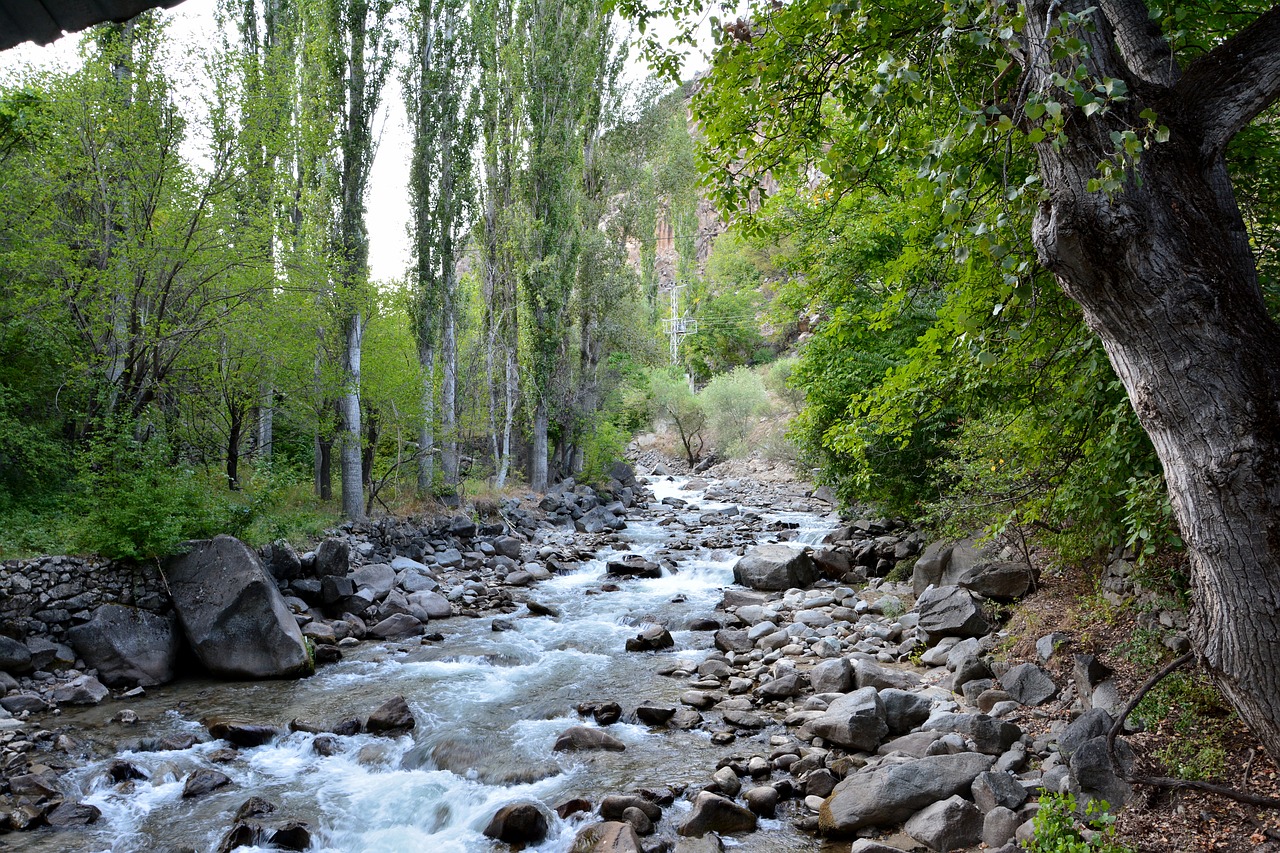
x,y
387,204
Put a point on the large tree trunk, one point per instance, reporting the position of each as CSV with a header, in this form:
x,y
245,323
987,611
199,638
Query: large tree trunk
x,y
1166,278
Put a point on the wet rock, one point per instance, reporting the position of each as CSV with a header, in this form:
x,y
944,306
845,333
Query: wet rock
x,y
604,713
1029,684
709,843
584,739
639,820
255,807
85,690
246,735
727,781
950,611
73,814
652,637
948,825
609,837
14,656
632,566
391,717
572,807
233,614
518,823
890,794
203,782
655,714
119,770
762,800
35,785
714,813
775,567
326,745
290,835
614,806
128,646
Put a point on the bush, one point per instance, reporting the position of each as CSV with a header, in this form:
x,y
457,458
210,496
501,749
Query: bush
x,y
603,446
670,399
733,401
134,500
1060,829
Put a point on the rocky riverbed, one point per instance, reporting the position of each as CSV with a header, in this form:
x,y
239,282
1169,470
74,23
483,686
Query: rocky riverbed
x,y
671,663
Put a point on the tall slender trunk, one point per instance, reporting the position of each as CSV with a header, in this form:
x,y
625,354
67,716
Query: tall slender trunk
x,y
266,420
538,455
234,431
449,381
324,467
352,469
512,394
427,430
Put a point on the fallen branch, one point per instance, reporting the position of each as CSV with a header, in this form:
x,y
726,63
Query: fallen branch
x,y
1163,781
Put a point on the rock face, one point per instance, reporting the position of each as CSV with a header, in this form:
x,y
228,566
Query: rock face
x,y
891,794
775,567
129,647
518,823
232,613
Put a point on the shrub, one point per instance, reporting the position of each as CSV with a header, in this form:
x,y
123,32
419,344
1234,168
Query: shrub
x,y
1060,829
733,401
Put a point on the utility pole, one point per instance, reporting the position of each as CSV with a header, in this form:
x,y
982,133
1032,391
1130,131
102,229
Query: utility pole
x,y
678,325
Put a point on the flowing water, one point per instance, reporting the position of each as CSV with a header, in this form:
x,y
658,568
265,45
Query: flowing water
x,y
495,701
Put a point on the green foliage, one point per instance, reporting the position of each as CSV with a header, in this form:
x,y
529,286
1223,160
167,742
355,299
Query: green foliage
x,y
604,445
1060,827
1186,706
733,402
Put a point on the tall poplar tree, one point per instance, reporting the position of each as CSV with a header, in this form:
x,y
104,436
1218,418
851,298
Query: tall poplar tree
x,y
437,95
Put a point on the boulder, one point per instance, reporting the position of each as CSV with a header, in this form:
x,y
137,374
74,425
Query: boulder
x,y
832,676
775,567
128,647
993,789
202,782
615,836
854,721
1086,727
14,656
85,690
652,637
891,793
397,627
242,734
282,561
584,739
518,823
946,563
378,578
1095,776
73,814
1029,684
904,710
948,825
949,611
714,813
1003,581
393,716
433,604
333,557
234,616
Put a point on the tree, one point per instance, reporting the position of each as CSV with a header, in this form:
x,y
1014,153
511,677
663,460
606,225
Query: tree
x,y
360,59
565,48
437,96
1124,116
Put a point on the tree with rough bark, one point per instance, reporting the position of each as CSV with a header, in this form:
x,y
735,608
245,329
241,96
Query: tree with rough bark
x,y
1122,114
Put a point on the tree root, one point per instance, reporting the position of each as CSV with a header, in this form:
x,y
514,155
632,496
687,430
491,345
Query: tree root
x,y
1164,781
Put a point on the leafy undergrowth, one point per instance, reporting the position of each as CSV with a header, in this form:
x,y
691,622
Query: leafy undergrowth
x,y
1187,730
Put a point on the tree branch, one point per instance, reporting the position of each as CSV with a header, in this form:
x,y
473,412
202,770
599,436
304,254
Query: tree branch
x,y
1141,44
1230,85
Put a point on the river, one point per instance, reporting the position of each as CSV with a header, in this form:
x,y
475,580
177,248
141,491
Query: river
x,y
494,700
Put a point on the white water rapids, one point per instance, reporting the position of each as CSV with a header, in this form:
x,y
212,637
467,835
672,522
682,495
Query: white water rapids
x,y
497,698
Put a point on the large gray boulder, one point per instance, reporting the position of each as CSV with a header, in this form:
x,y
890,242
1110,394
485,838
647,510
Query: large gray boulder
x,y
234,617
951,824
946,563
14,656
775,567
128,646
853,721
890,794
949,611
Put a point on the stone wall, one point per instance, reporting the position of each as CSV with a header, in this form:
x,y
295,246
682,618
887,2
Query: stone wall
x,y
45,596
